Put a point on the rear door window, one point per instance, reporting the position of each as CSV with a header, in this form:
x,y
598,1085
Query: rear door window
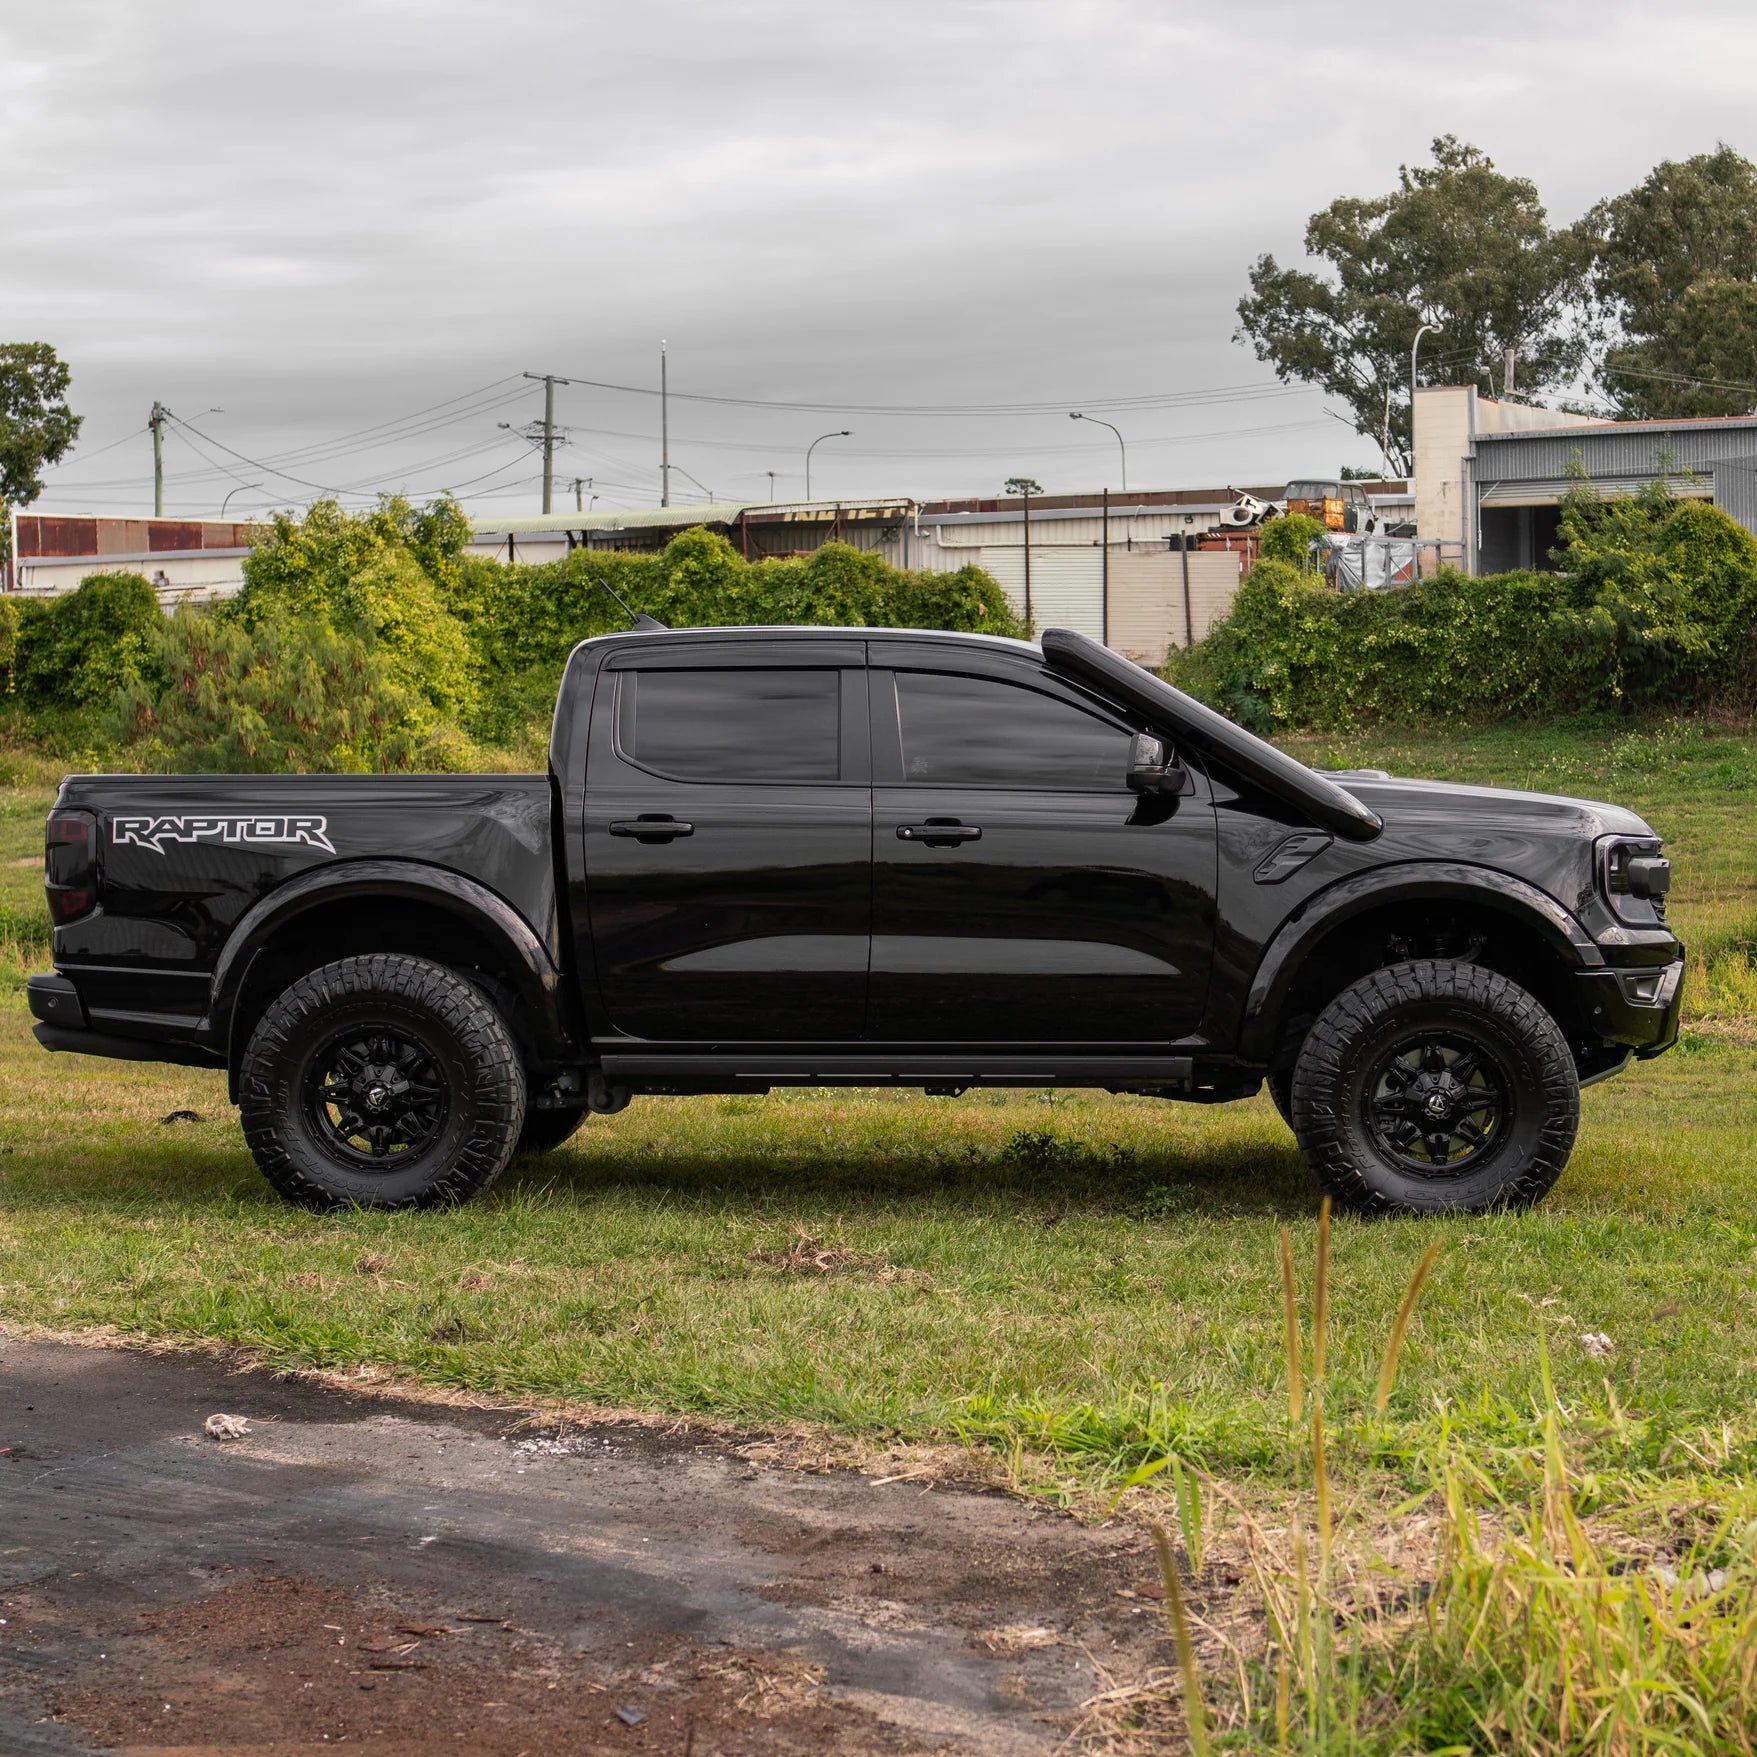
x,y
732,725
979,732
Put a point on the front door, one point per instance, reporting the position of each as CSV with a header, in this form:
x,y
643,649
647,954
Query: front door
x,y
728,840
1021,893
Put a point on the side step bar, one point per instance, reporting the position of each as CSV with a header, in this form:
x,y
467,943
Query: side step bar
x,y
716,1071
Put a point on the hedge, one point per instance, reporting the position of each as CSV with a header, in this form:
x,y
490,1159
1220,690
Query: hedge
x,y
1655,604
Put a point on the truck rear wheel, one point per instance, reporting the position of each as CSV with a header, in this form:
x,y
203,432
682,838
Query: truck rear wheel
x,y
381,1082
1435,1087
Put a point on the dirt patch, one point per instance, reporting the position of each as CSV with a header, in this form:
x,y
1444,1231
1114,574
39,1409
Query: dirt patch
x,y
370,1572
263,1659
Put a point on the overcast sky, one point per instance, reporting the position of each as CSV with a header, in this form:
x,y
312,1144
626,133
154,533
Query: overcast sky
x,y
325,218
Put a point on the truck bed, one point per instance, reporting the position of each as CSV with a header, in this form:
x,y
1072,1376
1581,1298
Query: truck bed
x,y
186,858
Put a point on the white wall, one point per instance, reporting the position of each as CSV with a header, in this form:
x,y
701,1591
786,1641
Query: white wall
x,y
194,576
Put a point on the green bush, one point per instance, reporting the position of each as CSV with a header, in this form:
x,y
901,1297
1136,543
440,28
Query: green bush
x,y
76,651
289,695
1655,604
385,576
522,621
9,623
1290,539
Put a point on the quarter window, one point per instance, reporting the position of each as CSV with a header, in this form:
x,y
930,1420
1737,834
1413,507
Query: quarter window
x,y
976,732
732,725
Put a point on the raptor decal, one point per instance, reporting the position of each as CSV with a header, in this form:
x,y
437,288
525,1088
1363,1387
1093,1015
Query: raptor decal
x,y
249,828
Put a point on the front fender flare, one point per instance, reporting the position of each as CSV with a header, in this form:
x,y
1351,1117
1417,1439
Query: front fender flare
x,y
1414,881
525,959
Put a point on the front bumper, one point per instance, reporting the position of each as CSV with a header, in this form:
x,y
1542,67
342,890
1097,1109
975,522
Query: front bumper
x,y
1638,1008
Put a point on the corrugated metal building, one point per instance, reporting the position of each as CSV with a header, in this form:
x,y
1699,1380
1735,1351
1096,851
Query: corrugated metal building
x,y
1521,477
1509,465
191,560
1127,572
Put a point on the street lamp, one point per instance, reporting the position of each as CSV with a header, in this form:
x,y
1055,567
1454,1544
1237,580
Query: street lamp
x,y
840,433
240,489
1077,415
1413,348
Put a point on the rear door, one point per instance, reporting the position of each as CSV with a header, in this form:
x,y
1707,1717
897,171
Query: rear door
x,y
1021,893
728,840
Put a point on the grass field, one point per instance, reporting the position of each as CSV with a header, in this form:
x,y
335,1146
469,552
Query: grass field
x,y
1087,1285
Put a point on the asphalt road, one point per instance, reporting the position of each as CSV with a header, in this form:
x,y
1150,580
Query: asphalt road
x,y
402,1578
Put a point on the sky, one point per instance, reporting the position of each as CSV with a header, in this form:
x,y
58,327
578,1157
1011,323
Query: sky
x,y
330,238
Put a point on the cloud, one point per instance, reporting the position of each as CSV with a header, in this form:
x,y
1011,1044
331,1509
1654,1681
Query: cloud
x,y
322,216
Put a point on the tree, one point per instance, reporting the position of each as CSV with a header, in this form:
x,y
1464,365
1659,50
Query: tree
x,y
36,425
1676,273
1457,244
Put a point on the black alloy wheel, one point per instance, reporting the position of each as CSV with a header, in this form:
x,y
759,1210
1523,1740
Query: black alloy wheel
x,y
376,1095
1436,1104
1435,1086
381,1082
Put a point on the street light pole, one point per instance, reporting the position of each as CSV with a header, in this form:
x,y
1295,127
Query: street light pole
x,y
840,433
1414,348
1077,415
241,488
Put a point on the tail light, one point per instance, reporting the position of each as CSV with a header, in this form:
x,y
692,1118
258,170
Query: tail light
x,y
70,865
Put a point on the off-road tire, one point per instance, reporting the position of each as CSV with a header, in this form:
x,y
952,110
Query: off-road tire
x,y
470,1057
1341,1080
545,1130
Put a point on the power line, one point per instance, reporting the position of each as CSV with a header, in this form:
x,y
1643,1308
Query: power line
x,y
1161,399
1749,390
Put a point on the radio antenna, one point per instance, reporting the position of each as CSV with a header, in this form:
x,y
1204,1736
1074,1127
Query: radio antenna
x,y
642,622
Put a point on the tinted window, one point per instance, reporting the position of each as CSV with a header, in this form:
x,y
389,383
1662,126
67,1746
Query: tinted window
x,y
732,725
976,733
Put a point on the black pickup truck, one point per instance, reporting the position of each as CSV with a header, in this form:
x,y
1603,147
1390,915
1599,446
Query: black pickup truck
x,y
815,856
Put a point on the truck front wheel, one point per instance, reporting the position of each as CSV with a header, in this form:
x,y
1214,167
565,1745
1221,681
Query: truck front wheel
x,y
1432,1087
381,1082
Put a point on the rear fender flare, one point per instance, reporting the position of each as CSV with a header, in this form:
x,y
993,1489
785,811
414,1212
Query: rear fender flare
x,y
525,961
1414,882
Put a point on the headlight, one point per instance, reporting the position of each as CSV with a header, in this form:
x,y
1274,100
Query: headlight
x,y
1634,878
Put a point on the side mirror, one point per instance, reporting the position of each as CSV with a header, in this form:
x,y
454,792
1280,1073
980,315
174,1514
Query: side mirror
x,y
1153,769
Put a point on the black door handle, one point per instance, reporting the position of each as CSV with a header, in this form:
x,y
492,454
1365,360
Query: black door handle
x,y
652,828
939,834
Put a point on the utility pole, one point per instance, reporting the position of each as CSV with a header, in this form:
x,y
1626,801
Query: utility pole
x,y
772,475
664,429
580,485
550,381
548,443
1025,487
156,421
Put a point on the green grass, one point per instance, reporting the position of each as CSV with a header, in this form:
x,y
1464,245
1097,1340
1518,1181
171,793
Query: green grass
x,y
1086,1284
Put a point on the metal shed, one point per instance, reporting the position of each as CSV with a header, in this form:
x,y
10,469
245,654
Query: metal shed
x,y
1520,477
